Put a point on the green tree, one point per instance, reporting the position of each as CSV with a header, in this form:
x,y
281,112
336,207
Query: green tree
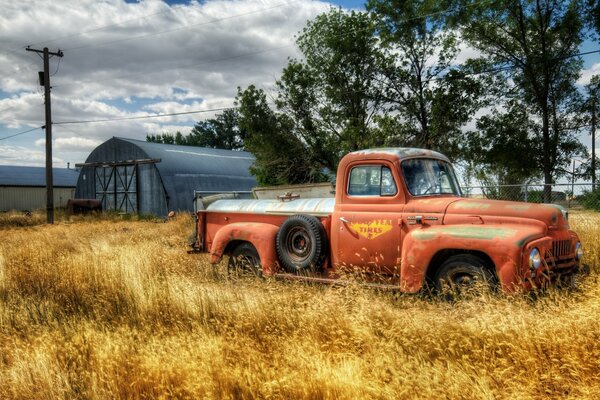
x,y
533,42
591,118
281,157
593,12
333,93
221,132
166,138
500,151
431,98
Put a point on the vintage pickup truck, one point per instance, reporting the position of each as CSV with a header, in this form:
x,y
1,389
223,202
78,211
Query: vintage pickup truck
x,y
397,214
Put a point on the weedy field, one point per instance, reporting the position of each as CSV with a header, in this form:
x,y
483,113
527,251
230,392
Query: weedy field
x,y
106,308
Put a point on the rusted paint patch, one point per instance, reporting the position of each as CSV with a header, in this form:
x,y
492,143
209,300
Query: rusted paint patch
x,y
424,234
466,232
472,205
519,207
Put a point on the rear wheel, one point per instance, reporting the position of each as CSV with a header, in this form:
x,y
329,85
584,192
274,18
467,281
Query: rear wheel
x,y
464,275
244,261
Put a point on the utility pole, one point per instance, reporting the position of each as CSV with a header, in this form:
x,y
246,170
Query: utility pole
x,y
594,143
45,81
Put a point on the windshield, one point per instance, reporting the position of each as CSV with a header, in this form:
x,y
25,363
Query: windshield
x,y
425,177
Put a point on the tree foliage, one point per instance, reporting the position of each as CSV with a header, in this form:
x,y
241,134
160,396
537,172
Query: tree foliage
x,y
221,132
332,93
531,44
430,98
497,141
392,77
590,117
280,156
325,104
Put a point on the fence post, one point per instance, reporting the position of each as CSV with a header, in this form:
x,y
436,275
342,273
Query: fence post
x,y
526,193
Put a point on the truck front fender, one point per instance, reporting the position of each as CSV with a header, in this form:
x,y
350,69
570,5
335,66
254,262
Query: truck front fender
x,y
502,243
260,235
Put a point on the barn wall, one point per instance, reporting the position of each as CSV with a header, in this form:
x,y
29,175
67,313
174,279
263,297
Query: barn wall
x,y
85,184
151,193
32,198
169,184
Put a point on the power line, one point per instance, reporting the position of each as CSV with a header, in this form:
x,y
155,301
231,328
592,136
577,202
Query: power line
x,y
20,133
91,121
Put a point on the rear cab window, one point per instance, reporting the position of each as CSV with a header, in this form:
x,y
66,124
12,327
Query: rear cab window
x,y
371,180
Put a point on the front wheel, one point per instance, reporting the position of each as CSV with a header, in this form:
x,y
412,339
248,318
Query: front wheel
x,y
464,275
244,261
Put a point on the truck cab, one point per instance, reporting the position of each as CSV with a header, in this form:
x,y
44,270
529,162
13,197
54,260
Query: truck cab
x,y
398,214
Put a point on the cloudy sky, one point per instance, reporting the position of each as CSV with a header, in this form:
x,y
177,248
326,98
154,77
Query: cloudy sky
x,y
125,59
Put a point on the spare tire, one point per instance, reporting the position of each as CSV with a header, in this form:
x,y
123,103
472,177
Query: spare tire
x,y
301,243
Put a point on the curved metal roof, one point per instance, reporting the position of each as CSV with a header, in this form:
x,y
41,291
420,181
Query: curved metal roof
x,y
13,175
185,169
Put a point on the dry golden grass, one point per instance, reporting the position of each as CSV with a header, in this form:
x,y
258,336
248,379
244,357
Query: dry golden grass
x,y
103,309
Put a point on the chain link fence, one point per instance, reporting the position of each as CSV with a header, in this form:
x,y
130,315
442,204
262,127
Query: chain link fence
x,y
579,198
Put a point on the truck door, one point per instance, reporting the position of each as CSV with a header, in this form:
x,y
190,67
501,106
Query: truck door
x,y
366,231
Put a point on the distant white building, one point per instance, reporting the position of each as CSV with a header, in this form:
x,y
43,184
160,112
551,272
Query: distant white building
x,y
24,188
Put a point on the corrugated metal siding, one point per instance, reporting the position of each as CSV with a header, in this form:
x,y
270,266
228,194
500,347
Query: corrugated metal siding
x,y
170,184
13,175
31,198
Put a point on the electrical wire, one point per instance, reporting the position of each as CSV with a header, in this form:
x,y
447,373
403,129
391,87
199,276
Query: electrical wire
x,y
20,133
141,116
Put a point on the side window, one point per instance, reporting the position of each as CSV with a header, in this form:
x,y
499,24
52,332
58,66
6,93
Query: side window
x,y
371,180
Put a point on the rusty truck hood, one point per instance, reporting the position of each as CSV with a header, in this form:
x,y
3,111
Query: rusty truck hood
x,y
471,210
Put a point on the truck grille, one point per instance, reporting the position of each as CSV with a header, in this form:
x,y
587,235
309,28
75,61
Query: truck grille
x,y
561,248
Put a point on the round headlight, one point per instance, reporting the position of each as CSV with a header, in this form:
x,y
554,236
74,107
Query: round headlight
x,y
535,258
578,251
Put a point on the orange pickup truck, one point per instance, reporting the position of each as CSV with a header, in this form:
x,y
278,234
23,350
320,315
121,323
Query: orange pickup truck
x,y
397,214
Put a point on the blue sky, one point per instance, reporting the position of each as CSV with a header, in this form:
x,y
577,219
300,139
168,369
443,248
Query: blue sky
x,y
124,59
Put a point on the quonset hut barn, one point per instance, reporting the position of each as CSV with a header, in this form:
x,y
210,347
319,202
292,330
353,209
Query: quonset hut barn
x,y
135,176
24,188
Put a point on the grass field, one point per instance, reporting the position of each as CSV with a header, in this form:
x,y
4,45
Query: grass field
x,y
105,308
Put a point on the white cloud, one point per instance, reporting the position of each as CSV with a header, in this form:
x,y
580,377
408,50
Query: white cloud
x,y
19,155
149,58
587,74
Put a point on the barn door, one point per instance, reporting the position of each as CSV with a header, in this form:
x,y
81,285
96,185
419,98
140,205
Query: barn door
x,y
126,188
105,187
116,187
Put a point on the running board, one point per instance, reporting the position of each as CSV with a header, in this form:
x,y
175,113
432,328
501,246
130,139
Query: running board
x,y
333,281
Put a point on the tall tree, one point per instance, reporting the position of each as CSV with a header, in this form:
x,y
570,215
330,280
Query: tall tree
x,y
332,93
432,99
166,138
221,132
493,146
534,41
281,157
591,119
593,12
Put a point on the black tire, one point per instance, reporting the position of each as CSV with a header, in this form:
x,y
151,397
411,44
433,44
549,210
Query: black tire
x,y
465,275
301,243
244,261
